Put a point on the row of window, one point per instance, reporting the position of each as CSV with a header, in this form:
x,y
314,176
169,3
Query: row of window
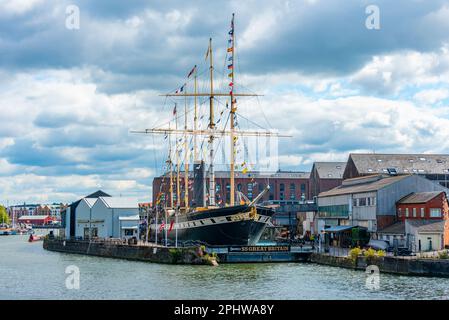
x,y
364,202
434,212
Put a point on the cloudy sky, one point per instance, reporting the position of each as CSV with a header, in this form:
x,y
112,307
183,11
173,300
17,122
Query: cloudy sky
x,y
68,97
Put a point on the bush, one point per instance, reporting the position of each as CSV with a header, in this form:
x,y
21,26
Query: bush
x,y
354,253
380,253
443,255
370,253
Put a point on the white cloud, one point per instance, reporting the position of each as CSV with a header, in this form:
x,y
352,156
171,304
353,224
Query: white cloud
x,y
391,73
431,96
18,6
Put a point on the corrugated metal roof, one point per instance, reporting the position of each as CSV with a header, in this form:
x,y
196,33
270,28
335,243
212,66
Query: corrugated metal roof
x,y
120,202
428,225
362,186
37,217
129,218
330,170
369,163
397,228
419,197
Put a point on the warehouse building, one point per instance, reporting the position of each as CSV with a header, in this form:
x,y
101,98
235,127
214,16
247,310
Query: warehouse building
x,y
369,201
434,167
103,216
325,176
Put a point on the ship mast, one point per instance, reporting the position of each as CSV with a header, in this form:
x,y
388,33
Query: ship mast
x,y
178,191
195,120
211,127
211,132
170,163
186,159
233,109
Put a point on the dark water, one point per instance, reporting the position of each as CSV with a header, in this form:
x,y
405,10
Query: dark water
x,y
29,272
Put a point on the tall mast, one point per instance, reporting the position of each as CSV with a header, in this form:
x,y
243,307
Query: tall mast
x,y
170,163
233,109
195,120
186,160
178,191
212,127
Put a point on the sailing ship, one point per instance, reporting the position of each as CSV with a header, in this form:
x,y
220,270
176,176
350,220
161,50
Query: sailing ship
x,y
240,222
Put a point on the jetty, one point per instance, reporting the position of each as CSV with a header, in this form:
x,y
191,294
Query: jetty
x,y
193,255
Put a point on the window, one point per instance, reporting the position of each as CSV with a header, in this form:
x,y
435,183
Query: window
x,y
400,212
128,232
414,212
250,191
368,201
435,213
362,202
281,187
292,191
354,202
422,212
303,188
406,212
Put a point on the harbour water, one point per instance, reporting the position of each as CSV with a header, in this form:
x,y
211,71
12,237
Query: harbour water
x,y
27,271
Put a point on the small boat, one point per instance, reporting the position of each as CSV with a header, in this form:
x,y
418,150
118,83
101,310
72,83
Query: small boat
x,y
6,232
34,238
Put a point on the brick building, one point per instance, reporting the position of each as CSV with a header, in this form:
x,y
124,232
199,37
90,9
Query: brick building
x,y
423,205
325,176
284,185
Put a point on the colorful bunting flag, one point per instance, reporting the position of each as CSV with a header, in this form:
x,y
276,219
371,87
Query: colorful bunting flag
x,y
191,72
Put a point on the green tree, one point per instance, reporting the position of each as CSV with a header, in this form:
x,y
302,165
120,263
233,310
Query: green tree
x,y
4,218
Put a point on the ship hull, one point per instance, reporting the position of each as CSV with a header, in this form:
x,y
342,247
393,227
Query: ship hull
x,y
238,225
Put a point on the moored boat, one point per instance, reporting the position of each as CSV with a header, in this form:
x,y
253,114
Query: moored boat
x,y
34,238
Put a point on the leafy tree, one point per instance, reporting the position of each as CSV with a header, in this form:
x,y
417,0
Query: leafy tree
x,y
4,218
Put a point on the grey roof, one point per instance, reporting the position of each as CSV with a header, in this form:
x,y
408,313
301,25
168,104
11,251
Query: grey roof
x,y
330,170
419,197
120,203
428,225
363,184
97,194
396,228
370,163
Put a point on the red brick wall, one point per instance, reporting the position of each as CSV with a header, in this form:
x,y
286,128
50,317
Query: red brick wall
x,y
385,221
438,202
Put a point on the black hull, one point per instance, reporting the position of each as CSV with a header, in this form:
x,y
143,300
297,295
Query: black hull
x,y
220,231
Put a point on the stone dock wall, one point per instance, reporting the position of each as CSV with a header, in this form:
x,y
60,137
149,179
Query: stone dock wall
x,y
394,265
187,255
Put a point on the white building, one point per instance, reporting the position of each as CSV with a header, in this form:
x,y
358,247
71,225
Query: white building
x,y
369,201
103,217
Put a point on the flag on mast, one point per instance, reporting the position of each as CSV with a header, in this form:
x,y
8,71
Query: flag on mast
x,y
191,72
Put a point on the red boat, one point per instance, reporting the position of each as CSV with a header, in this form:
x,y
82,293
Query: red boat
x,y
34,238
